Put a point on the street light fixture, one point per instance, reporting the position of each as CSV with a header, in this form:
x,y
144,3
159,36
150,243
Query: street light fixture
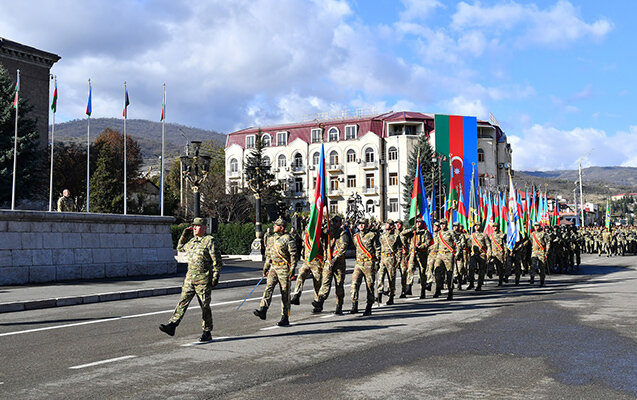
x,y
195,169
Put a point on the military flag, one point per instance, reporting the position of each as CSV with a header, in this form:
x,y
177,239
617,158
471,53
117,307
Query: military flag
x,y
16,95
513,232
54,103
474,214
463,219
315,223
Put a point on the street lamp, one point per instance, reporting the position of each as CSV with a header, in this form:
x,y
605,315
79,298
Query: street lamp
x,y
195,169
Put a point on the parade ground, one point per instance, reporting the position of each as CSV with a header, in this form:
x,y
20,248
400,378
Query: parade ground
x,y
575,338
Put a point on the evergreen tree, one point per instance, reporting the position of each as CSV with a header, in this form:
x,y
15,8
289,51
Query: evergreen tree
x,y
258,176
29,152
107,195
69,171
429,172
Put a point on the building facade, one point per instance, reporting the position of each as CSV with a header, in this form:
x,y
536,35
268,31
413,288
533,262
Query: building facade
x,y
35,66
365,156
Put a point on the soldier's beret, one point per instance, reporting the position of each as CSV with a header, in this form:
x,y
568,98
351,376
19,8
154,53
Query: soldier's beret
x,y
362,221
419,220
199,221
279,221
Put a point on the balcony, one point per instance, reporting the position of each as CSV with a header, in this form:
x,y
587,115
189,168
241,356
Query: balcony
x,y
298,169
334,167
334,193
370,191
370,164
234,174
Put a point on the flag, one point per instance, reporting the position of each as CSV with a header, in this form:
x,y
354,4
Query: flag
x,y
315,224
17,91
555,219
607,219
504,212
433,202
462,213
419,206
126,103
488,228
89,106
163,109
474,215
513,232
54,103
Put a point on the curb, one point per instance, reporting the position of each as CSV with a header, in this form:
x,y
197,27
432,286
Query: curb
x,y
114,296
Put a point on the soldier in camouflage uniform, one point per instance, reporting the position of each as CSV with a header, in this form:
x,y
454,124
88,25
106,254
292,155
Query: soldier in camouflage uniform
x,y
480,249
335,269
279,267
541,246
65,203
432,252
519,258
314,268
390,248
419,241
460,269
406,269
204,267
607,238
367,255
447,252
498,254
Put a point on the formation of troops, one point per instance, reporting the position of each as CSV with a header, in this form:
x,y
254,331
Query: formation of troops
x,y
446,259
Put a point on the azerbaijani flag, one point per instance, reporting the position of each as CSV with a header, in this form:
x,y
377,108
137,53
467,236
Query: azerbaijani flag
x,y
474,215
163,109
555,219
54,103
126,103
488,228
89,105
17,91
315,224
462,213
457,138
419,207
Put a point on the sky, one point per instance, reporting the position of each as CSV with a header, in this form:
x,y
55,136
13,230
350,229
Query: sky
x,y
559,76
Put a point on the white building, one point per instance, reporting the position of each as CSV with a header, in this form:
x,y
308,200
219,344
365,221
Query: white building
x,y
367,156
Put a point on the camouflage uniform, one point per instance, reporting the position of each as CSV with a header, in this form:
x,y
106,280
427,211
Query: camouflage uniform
x,y
432,252
367,255
606,242
406,267
498,255
447,251
519,259
390,248
66,204
204,267
460,269
480,249
418,256
338,244
541,246
314,267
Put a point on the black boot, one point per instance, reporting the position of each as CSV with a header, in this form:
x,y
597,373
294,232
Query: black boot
x,y
422,292
450,293
354,309
428,287
390,301
408,291
460,284
284,321
261,312
339,309
500,282
532,280
541,281
368,310
205,337
437,292
379,299
517,280
471,286
296,299
318,305
402,295
168,328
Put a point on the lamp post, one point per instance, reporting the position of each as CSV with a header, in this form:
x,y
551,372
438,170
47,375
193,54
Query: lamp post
x,y
354,207
195,170
259,179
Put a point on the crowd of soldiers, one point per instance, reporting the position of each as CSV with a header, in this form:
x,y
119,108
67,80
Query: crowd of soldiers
x,y
611,242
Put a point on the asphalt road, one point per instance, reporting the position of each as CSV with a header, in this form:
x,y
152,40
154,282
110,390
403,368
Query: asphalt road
x,y
573,339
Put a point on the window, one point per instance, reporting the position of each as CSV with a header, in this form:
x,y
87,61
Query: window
x,y
351,181
392,154
234,165
350,132
298,161
266,161
369,155
250,140
369,181
393,179
480,155
284,184
333,157
298,207
281,138
351,156
266,140
282,162
234,188
315,158
393,205
482,181
333,183
314,181
333,207
316,135
298,185
369,206
332,134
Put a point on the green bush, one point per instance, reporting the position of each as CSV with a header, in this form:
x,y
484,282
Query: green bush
x,y
232,238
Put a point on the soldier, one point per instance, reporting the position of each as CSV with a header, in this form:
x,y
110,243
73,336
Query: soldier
x,y
314,267
498,255
460,269
204,267
65,203
447,252
419,239
406,270
367,254
279,267
480,249
541,245
606,242
519,258
390,248
432,252
338,244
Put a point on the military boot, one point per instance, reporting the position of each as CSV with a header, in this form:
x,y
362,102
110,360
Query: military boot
x,y
390,301
422,292
168,328
428,287
500,280
296,299
408,291
437,292
354,309
402,295
339,309
318,305
368,310
379,299
459,284
517,280
205,337
471,285
261,312
541,281
450,293
285,321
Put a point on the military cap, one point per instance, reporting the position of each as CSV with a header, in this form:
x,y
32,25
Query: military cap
x,y
199,221
443,222
279,221
437,223
419,220
336,218
390,222
456,223
362,221
399,221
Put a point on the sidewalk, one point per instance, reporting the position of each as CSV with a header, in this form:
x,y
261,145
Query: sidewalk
x,y
236,272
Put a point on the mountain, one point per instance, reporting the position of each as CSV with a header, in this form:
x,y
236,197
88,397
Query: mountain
x,y
147,134
622,176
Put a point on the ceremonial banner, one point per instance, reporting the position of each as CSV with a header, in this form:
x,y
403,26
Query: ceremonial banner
x,y
315,223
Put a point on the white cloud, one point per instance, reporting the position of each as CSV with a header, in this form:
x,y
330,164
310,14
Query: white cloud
x,y
462,106
419,9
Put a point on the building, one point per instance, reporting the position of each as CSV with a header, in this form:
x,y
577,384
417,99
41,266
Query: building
x,y
35,66
365,155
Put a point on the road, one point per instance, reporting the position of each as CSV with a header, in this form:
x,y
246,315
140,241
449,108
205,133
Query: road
x,y
573,339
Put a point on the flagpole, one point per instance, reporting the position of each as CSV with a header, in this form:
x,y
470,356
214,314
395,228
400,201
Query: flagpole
x,y
15,140
88,147
163,131
125,117
52,145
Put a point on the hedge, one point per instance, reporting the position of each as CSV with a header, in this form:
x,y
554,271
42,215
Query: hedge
x,y
232,238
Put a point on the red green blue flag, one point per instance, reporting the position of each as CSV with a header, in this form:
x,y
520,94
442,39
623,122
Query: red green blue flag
x,y
17,91
419,207
89,105
54,103
126,103
315,223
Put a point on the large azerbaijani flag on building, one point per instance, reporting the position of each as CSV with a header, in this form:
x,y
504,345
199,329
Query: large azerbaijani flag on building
x,y
456,138
315,223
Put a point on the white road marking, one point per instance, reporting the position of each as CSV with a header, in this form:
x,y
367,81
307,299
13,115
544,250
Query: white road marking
x,y
110,360
269,328
327,316
214,339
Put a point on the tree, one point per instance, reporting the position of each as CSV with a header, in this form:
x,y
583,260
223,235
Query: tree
x,y
429,171
29,162
115,140
69,171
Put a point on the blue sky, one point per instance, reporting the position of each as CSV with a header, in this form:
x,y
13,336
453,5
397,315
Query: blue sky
x,y
558,75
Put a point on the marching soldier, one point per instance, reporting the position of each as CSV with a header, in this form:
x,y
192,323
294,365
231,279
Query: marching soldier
x,y
460,269
314,267
541,245
390,248
367,254
403,261
338,244
480,249
498,255
204,267
279,267
418,252
447,251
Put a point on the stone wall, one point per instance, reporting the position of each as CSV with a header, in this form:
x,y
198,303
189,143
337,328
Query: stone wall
x,y
45,247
